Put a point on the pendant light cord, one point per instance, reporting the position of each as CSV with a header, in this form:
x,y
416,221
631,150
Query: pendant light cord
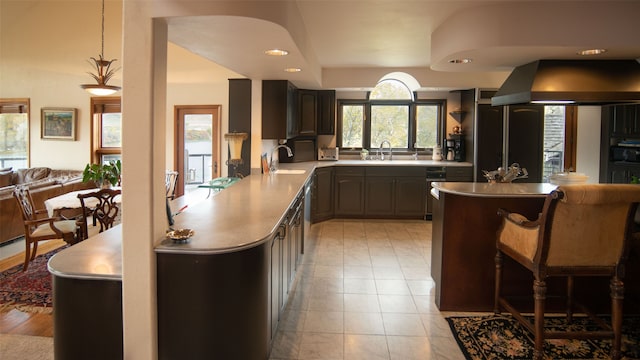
x,y
102,39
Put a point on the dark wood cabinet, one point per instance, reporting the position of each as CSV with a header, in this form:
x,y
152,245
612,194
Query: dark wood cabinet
x,y
322,195
379,196
410,197
618,123
349,191
279,110
489,135
275,283
308,109
625,121
326,119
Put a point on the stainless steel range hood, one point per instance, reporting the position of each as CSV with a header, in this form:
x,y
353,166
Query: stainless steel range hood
x,y
588,82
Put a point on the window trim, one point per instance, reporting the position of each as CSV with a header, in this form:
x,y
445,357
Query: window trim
x,y
19,106
100,105
412,129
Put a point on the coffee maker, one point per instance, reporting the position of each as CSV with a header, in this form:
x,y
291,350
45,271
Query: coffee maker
x,y
455,148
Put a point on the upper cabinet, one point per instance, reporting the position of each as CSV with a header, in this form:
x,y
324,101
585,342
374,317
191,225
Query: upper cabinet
x,y
624,121
308,105
288,112
279,110
326,103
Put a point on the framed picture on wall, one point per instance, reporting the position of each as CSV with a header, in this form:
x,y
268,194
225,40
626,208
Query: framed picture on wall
x,y
58,123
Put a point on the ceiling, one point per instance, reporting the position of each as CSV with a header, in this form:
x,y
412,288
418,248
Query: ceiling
x,y
351,44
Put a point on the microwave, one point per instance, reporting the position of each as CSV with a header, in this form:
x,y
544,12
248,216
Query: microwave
x,y
625,153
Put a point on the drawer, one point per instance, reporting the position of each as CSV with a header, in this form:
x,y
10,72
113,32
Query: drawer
x,y
396,171
350,170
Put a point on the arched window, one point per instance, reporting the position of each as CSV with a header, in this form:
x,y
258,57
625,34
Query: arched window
x,y
391,113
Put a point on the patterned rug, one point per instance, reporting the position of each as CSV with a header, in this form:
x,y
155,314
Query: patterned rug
x,y
27,291
502,337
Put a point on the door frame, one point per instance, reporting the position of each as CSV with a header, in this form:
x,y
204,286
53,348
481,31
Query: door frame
x,y
178,139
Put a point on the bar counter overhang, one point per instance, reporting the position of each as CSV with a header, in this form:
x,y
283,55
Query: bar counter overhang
x,y
465,223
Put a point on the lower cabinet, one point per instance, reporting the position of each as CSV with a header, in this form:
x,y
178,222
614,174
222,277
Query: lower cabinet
x,y
349,191
395,192
275,281
322,195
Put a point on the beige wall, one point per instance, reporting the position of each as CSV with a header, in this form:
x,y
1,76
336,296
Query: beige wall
x,y
44,48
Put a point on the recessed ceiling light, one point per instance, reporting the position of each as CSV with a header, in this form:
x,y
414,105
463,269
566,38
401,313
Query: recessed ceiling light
x,y
592,52
460,61
276,52
292,70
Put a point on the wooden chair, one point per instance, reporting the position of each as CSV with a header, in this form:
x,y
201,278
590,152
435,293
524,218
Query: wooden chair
x,y
100,207
171,182
583,230
38,228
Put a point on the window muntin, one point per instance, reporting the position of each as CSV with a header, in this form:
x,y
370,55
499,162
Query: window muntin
x,y
391,89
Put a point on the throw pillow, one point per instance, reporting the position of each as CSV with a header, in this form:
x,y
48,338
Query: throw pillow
x,y
32,174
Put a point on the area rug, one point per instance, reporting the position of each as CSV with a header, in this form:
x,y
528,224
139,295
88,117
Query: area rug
x,y
27,291
502,337
22,347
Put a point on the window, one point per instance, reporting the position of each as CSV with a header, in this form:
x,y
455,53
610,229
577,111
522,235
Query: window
x,y
390,114
106,129
14,133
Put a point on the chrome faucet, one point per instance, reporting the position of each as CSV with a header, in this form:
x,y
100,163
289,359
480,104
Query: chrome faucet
x,y
274,166
382,152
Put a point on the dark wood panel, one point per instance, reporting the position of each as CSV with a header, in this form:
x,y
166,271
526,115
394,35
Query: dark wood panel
x,y
214,306
379,196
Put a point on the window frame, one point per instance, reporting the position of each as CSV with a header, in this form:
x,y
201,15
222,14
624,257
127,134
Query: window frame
x,y
100,105
412,127
19,106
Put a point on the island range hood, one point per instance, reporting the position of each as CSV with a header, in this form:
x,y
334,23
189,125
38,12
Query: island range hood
x,y
586,82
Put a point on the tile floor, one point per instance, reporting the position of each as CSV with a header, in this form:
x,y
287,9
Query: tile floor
x,y
364,291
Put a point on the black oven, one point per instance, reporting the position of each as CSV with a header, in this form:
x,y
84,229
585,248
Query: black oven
x,y
625,153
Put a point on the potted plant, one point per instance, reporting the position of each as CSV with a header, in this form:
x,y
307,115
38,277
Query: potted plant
x,y
104,175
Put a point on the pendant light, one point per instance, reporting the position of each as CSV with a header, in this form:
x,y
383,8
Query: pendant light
x,y
103,69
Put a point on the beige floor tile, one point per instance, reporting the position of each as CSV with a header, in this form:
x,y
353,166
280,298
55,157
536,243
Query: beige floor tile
x,y
358,272
292,320
426,304
318,346
421,287
326,301
324,322
322,284
409,348
286,345
392,287
416,273
436,325
385,261
359,286
357,258
365,347
329,271
361,303
381,272
363,323
402,324
397,304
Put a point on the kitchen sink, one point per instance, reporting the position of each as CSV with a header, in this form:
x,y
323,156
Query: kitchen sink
x,y
289,171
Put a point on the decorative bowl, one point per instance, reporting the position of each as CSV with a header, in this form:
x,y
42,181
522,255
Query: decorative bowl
x,y
180,235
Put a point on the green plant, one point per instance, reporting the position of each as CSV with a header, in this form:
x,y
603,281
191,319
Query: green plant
x,y
103,173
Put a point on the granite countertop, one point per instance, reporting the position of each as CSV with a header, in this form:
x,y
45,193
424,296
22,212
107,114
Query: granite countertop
x,y
485,189
399,162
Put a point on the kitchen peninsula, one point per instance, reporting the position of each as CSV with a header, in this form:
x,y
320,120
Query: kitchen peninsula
x,y
219,295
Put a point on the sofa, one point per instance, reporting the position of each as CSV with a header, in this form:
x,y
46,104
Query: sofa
x,y
43,182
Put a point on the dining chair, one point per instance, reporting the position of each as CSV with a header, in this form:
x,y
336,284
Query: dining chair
x,y
583,230
38,228
170,183
101,208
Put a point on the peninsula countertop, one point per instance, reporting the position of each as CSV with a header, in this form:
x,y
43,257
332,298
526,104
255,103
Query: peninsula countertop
x,y
486,189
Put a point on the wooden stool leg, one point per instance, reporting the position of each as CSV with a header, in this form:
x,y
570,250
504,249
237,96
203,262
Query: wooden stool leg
x,y
539,296
569,299
496,295
617,298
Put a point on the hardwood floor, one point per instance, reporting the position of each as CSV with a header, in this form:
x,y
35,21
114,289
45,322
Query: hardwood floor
x,y
18,322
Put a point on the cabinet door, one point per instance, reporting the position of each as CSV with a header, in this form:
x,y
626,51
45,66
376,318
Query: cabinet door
x,y
489,138
274,109
526,124
379,195
293,120
308,111
624,121
411,196
349,193
322,196
326,103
